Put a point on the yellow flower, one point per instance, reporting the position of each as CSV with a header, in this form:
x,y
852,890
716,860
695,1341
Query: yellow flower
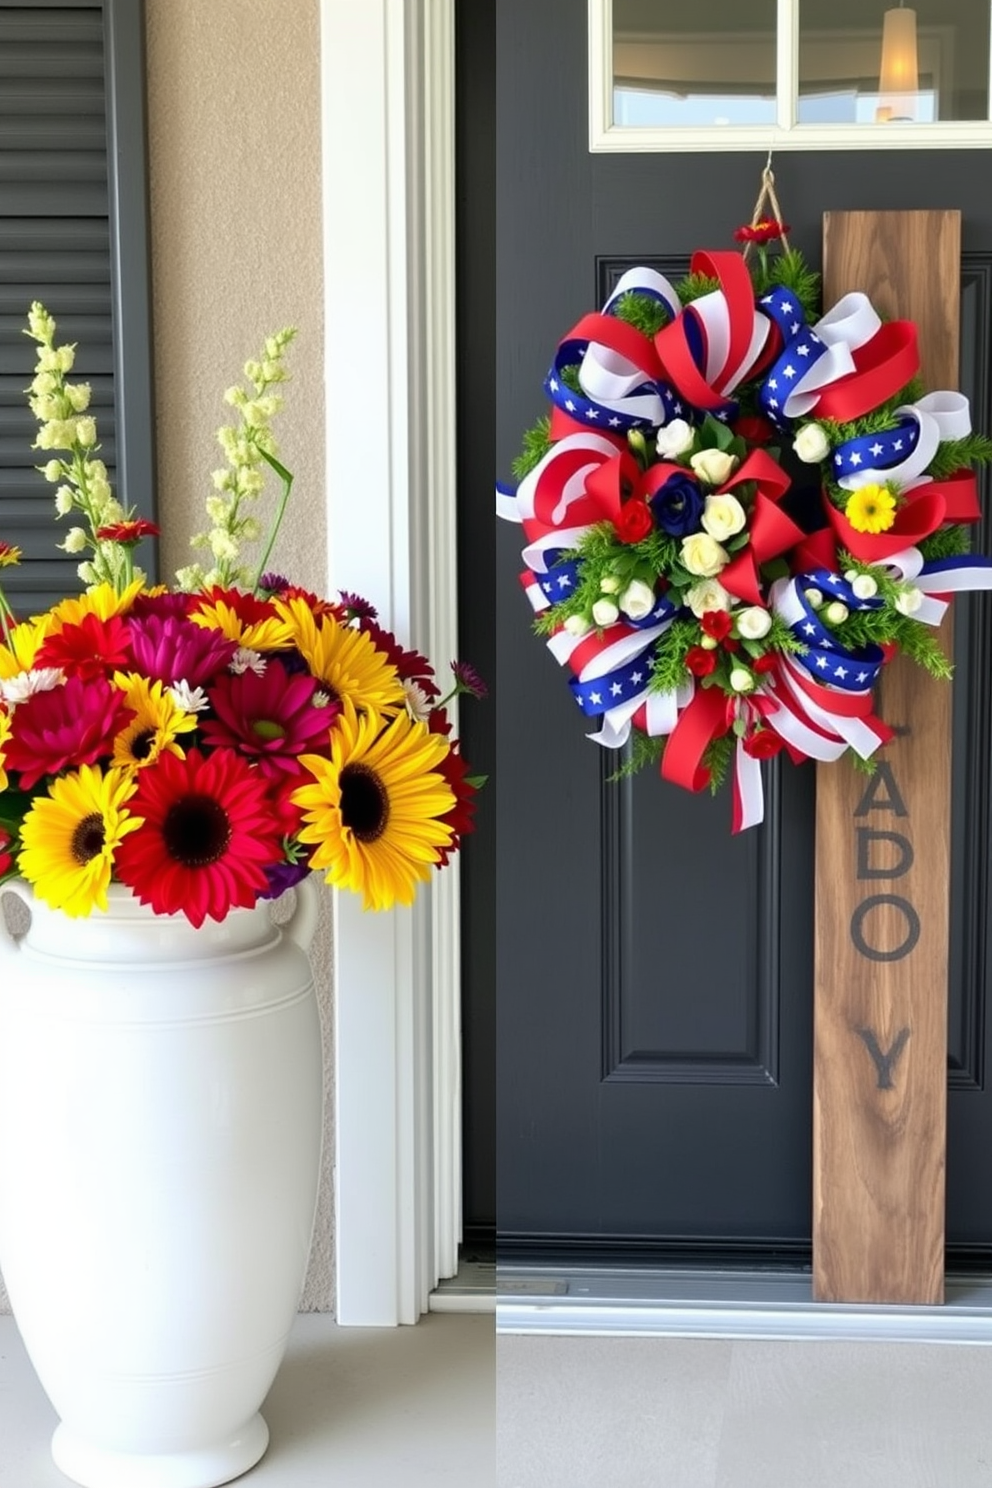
x,y
374,807
4,736
25,643
69,838
269,632
102,601
156,722
348,662
871,509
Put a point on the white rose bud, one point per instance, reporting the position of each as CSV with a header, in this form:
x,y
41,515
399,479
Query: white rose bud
x,y
909,601
577,625
702,555
610,584
741,680
813,598
605,612
864,586
836,613
713,466
706,596
637,600
811,444
753,623
723,517
708,642
674,439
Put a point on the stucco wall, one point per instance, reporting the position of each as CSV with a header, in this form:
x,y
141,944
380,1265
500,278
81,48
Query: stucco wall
x,y
234,169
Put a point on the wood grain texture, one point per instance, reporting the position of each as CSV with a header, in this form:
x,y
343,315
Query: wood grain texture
x,y
882,881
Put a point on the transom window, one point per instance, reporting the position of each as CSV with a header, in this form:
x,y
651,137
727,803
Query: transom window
x,y
789,74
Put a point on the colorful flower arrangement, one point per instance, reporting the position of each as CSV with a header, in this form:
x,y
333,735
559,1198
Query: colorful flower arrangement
x,y
211,744
739,509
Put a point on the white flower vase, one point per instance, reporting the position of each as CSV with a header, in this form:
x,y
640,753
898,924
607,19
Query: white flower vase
x,y
160,1135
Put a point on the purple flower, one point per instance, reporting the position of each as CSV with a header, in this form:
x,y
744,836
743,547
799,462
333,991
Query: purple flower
x,y
283,876
678,506
273,583
356,607
468,680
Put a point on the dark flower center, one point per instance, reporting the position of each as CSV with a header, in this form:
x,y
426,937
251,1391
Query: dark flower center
x,y
364,802
88,838
141,744
196,831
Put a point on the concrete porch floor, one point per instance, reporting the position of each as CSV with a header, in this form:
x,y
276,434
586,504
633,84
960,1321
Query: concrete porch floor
x,y
356,1407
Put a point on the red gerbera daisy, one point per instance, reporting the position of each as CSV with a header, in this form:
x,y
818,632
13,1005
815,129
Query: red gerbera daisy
x,y
93,648
6,858
461,817
269,716
127,533
69,725
207,839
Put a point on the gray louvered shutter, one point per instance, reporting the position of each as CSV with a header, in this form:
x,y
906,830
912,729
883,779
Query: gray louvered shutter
x,y
73,234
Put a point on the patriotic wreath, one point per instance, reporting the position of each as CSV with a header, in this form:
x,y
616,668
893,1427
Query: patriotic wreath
x,y
738,510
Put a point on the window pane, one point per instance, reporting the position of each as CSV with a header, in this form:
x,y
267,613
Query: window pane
x,y
704,63
884,63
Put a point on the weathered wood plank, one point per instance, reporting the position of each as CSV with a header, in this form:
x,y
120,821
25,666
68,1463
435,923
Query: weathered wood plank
x,y
882,875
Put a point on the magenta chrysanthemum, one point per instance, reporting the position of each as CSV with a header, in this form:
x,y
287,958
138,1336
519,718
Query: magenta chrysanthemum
x,y
270,716
207,839
69,725
172,649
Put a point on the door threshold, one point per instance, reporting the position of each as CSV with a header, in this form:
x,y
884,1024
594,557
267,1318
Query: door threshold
x,y
683,1303
471,1289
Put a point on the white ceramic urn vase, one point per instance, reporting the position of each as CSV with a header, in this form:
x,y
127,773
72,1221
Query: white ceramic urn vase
x,y
160,1133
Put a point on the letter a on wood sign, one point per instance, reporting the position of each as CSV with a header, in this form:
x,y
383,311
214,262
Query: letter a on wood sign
x,y
882,875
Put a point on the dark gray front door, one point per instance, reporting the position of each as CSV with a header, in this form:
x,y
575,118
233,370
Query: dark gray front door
x,y
654,973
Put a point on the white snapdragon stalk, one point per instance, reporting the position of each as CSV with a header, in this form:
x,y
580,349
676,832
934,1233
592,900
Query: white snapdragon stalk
x,y
248,448
67,429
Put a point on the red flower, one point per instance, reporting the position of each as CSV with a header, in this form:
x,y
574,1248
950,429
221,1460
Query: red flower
x,y
461,816
93,648
127,533
716,624
209,834
763,744
763,231
411,666
6,860
700,661
270,717
634,521
755,429
766,663
69,725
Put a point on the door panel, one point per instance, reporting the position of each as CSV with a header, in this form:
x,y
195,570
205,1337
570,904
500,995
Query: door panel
x,y
654,973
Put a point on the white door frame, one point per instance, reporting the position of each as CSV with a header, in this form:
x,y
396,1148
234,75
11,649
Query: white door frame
x,y
387,81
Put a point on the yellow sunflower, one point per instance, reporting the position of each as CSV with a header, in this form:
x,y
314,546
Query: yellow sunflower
x,y
4,736
156,722
69,838
374,808
102,601
25,643
871,509
348,663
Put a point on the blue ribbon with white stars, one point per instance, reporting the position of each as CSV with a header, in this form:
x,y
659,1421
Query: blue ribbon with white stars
x,y
560,580
802,349
600,694
582,408
825,658
877,451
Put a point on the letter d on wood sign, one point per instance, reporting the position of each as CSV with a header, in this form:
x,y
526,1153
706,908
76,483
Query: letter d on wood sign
x,y
882,882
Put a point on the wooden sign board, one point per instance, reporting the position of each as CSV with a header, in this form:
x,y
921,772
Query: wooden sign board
x,y
882,881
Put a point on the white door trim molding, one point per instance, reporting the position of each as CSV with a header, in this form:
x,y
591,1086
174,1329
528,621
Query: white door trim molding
x,y
387,69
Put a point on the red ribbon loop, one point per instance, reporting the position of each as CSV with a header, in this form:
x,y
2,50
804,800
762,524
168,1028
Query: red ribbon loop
x,y
882,366
702,721
923,512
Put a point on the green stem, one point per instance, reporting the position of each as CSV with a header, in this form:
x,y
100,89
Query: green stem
x,y
287,485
